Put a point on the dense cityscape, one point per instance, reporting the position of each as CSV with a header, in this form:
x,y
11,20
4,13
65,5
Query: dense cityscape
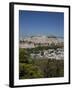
x,y
50,53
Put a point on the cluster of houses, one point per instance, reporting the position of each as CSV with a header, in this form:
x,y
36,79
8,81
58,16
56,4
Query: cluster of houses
x,y
32,42
57,54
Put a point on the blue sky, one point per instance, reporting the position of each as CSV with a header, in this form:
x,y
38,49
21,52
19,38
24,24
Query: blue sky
x,y
41,23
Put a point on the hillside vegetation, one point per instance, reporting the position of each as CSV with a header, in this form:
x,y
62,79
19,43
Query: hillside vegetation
x,y
38,68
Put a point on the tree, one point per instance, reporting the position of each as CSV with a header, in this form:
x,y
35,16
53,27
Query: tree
x,y
29,71
24,56
42,53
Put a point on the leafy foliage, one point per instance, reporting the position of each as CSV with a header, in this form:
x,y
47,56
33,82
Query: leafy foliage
x,y
24,56
38,68
29,71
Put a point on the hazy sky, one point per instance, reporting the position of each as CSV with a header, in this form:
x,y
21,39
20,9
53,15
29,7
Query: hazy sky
x,y
41,23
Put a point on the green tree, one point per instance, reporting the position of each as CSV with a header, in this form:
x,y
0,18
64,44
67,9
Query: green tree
x,y
24,56
42,53
27,71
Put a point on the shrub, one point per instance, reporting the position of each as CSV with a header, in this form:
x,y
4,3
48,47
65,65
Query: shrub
x,y
27,71
24,56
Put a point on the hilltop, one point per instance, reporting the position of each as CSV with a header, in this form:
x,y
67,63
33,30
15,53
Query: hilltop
x,y
34,41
